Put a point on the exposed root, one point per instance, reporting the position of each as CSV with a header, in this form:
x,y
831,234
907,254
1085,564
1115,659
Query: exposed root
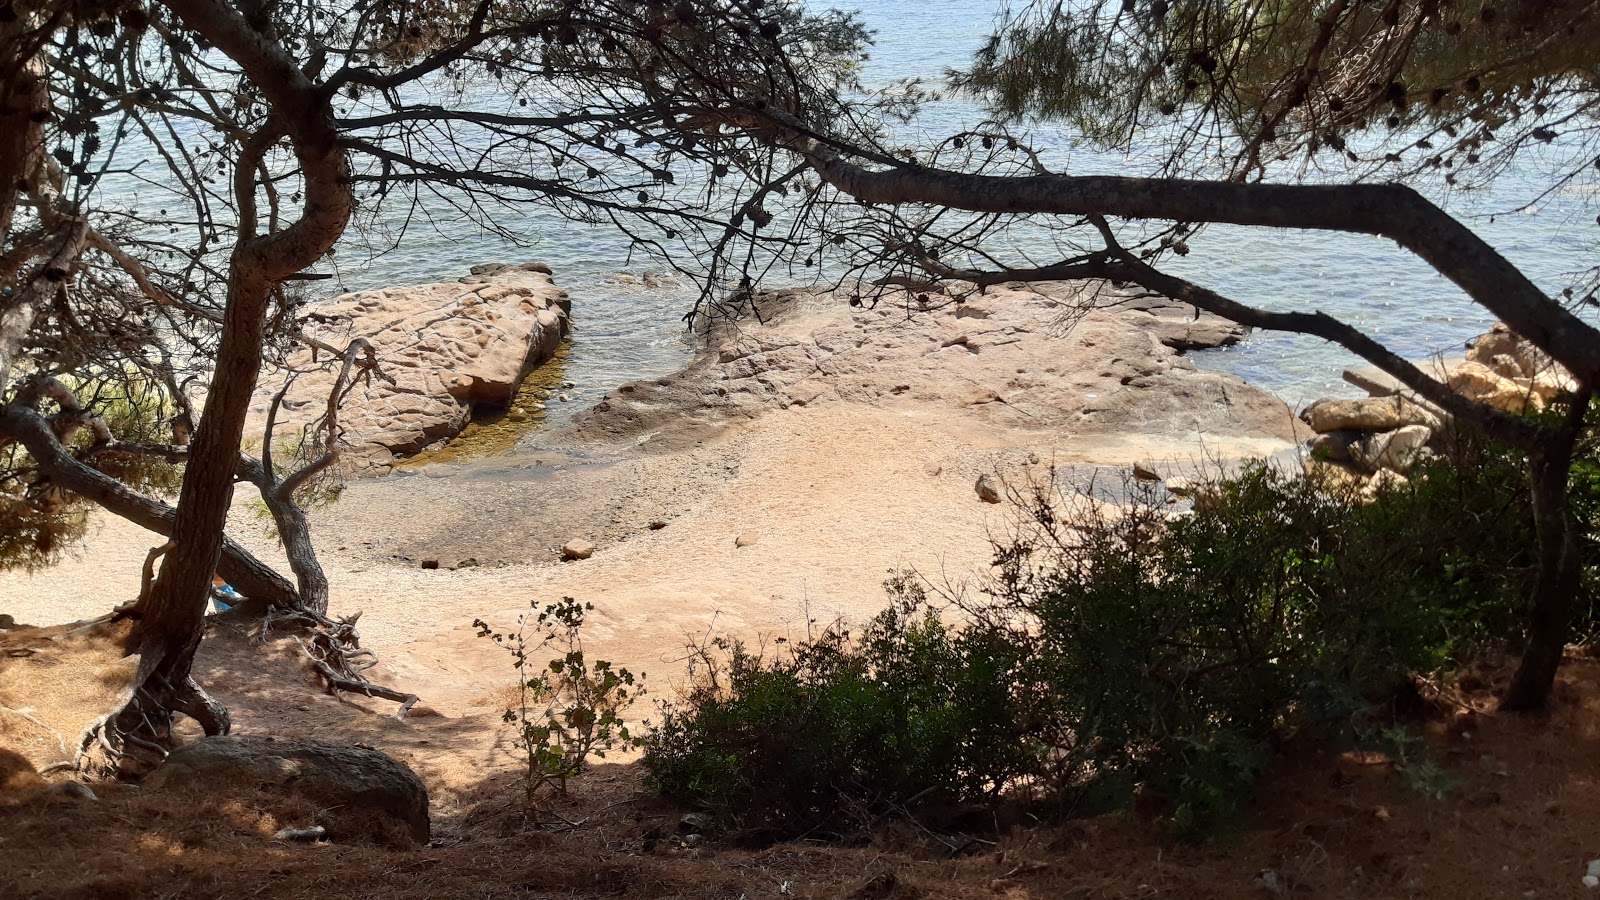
x,y
334,649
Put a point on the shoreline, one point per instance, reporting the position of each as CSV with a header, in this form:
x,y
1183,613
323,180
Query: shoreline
x,y
846,441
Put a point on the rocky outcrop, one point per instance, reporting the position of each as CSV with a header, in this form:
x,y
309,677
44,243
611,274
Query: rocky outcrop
x,y
446,350
1383,436
362,793
1105,377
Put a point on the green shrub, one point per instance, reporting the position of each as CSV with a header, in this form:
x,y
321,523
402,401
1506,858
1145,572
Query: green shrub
x,y
832,732
1178,651
567,708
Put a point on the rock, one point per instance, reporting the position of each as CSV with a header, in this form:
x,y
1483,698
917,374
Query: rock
x,y
1367,414
932,470
362,792
1204,496
564,398
746,539
1396,450
988,488
657,524
445,351
75,789
1337,476
1385,479
1109,379
314,833
1476,381
430,564
1144,473
7,622
1333,446
577,550
1509,355
470,562
694,823
1179,486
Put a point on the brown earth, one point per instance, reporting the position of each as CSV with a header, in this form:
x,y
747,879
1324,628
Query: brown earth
x,y
1517,817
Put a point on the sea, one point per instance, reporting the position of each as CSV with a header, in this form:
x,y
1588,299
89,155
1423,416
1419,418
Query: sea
x,y
625,330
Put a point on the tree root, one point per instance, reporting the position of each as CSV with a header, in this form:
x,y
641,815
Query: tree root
x,y
333,647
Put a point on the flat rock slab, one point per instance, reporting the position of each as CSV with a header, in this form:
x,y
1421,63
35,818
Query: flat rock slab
x,y
448,350
1055,358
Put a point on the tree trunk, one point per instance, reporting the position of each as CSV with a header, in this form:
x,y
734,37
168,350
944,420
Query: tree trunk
x,y
172,615
1559,568
295,533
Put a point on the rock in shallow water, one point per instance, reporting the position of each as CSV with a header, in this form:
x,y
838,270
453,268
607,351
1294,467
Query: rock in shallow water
x,y
444,349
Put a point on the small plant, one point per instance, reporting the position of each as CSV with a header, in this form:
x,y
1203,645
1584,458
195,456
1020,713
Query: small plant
x,y
567,709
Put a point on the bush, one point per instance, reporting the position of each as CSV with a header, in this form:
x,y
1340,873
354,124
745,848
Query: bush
x,y
1124,651
832,732
1177,652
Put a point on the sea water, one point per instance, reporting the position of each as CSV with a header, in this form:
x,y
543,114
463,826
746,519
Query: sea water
x,y
626,330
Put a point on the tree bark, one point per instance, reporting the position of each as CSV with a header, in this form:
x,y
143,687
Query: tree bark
x,y
1560,568
173,612
295,533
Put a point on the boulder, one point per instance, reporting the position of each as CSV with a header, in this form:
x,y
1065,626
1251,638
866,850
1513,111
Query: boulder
x,y
988,488
362,793
1386,479
577,549
1333,446
445,350
1509,372
1477,381
1336,476
1395,451
1367,414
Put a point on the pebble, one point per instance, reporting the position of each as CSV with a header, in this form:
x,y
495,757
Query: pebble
x,y
746,539
988,488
